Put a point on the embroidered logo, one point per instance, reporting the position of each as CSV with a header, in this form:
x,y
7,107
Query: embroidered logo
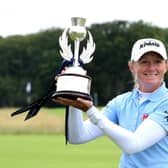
x,y
145,116
166,117
149,44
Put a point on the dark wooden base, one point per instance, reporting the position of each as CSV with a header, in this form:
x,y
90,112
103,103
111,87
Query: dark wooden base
x,y
71,95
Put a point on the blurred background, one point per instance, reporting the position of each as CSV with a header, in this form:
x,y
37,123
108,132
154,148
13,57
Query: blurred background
x,y
30,62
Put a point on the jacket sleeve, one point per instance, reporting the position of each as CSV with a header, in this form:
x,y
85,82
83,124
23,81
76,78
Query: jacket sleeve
x,y
130,142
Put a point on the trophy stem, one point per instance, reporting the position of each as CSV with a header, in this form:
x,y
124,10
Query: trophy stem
x,y
76,52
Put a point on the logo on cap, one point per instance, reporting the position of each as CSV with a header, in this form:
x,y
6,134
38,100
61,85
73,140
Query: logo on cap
x,y
149,44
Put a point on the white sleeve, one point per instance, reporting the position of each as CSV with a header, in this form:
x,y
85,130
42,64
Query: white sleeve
x,y
80,131
130,142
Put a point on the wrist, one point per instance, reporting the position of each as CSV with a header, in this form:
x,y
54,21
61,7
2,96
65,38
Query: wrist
x,y
94,115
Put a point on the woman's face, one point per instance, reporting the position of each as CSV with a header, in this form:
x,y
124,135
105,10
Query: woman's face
x,y
149,71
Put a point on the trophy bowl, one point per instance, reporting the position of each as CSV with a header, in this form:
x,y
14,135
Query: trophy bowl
x,y
74,82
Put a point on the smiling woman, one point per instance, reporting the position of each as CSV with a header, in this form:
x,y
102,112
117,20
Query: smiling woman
x,y
148,64
137,120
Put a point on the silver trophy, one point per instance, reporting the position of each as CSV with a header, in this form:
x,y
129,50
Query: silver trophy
x,y
74,82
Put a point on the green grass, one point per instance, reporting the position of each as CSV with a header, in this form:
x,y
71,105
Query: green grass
x,y
50,151
46,121
40,142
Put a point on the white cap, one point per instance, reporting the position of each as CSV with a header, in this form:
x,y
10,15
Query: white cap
x,y
146,45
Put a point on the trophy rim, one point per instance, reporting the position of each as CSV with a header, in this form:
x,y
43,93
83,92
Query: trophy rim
x,y
73,74
71,95
78,21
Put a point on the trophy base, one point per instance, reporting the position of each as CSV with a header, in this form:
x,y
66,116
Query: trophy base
x,y
73,84
71,95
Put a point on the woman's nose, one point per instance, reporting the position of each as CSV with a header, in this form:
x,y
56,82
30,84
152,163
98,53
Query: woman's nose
x,y
152,65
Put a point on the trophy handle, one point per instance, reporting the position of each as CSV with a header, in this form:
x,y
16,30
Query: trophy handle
x,y
65,51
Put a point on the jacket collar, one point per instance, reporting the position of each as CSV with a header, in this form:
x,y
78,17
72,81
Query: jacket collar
x,y
159,94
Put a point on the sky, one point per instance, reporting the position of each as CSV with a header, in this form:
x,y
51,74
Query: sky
x,y
21,17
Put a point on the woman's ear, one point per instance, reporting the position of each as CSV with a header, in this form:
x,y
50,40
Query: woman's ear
x,y
167,65
131,66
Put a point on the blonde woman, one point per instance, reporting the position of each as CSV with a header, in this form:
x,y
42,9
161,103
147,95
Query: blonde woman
x,y
137,121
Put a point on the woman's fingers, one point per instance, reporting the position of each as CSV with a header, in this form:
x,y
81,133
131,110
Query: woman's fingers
x,y
78,103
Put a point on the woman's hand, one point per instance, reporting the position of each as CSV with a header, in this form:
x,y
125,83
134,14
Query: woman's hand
x,y
79,103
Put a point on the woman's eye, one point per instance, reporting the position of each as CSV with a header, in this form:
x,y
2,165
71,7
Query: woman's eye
x,y
143,62
148,62
158,61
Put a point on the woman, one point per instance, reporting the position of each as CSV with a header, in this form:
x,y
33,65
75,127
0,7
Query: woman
x,y
137,121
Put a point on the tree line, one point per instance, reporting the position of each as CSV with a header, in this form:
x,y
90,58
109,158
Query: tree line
x,y
35,58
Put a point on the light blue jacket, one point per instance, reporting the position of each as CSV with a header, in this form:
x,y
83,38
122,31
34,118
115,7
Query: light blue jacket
x,y
126,111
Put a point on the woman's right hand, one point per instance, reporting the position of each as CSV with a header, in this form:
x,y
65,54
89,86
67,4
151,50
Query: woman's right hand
x,y
79,103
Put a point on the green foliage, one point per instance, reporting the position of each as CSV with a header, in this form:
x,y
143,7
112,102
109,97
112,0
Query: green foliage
x,y
36,58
